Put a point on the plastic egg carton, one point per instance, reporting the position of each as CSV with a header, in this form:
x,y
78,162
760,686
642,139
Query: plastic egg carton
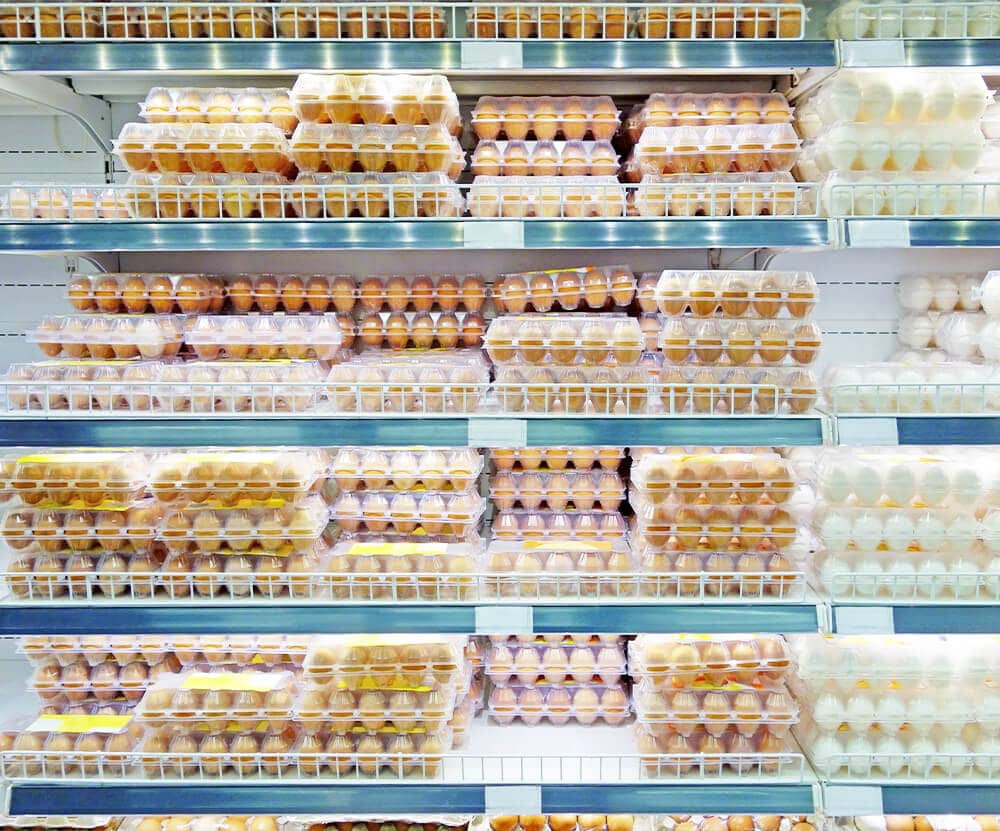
x,y
898,529
55,529
417,710
326,822
590,340
205,529
291,293
702,754
448,382
718,149
526,665
264,337
237,476
724,391
200,823
736,294
719,194
219,105
202,148
565,822
557,525
407,469
621,390
76,575
139,293
928,194
717,524
360,22
559,704
544,158
107,337
394,513
725,343
51,201
584,490
205,195
716,709
666,661
952,292
713,477
568,289
74,478
886,19
520,197
743,21
378,755
420,330
557,458
550,22
376,99
368,661
78,822
675,109
959,335
374,195
404,293
79,682
545,118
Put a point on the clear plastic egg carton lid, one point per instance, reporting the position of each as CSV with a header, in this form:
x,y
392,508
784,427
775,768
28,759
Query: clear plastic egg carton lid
x,y
962,335
717,149
403,708
219,105
274,335
422,292
522,524
338,147
580,488
573,390
723,194
559,703
890,19
564,340
988,294
919,194
400,512
374,195
693,521
55,529
736,294
544,158
568,289
187,649
407,468
705,109
557,458
739,342
66,687
143,292
59,821
179,702
398,330
530,664
36,476
546,197
196,523
716,475
716,707
746,659
104,337
546,118
351,658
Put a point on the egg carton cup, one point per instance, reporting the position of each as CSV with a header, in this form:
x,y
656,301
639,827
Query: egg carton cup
x,y
546,118
740,342
901,529
941,292
569,289
237,476
404,513
404,293
356,661
418,469
56,529
718,149
589,340
139,293
559,703
858,194
525,665
720,194
671,661
759,295
74,478
664,109
105,337
520,459
715,709
219,105
264,337
546,197
717,524
400,712
713,477
202,148
544,158
857,20
704,755
420,330
583,490
376,99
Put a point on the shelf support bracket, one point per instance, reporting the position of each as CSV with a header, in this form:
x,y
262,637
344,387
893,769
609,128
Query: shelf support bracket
x,y
93,114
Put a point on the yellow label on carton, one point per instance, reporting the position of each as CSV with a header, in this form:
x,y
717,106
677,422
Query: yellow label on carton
x,y
64,458
79,724
569,545
397,549
236,681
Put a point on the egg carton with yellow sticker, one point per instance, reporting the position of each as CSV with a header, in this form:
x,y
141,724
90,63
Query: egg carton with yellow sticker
x,y
103,337
371,755
584,490
715,478
260,337
544,158
857,527
338,195
588,340
718,149
551,197
699,753
592,390
55,530
568,289
394,513
715,342
716,708
555,663
664,661
521,524
414,469
359,661
401,708
559,703
76,478
237,476
546,118
684,109
420,330
735,294
557,458
92,744
718,194
141,293
219,105
569,567
419,293
376,99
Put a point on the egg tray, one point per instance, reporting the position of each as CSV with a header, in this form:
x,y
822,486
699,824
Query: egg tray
x,y
105,337
521,22
371,755
75,479
80,681
619,390
401,511
701,752
960,335
557,525
531,575
525,665
240,528
195,700
667,573
346,660
219,105
55,529
900,529
206,195
669,661
736,294
201,823
718,194
715,342
546,118
376,99
345,712
756,148
235,477
407,469
716,709
56,202
139,293
264,337
583,490
59,746
559,704
544,158
590,340
522,197
666,109
933,292
403,293
568,289
557,458
697,519
358,22
420,330
64,822
203,148
715,478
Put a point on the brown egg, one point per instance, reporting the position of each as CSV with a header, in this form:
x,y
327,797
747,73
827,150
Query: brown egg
x,y
134,295
533,822
240,293
473,293
447,291
293,295
503,823
397,293
595,288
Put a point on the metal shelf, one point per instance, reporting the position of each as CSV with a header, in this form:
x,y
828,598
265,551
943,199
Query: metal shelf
x,y
841,799
899,617
917,430
921,233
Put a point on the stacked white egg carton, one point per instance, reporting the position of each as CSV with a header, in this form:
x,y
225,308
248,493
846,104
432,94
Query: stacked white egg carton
x,y
557,678
942,320
908,524
712,704
908,707
900,144
883,19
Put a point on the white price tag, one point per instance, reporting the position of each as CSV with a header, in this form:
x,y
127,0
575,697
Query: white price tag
x,y
878,233
492,55
877,53
852,800
513,799
500,233
513,620
867,431
497,432
864,620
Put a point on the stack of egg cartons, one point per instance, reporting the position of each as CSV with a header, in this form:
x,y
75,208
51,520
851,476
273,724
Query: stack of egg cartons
x,y
737,342
410,520
722,154
899,144
717,524
557,678
545,157
379,703
376,146
558,531
886,19
907,524
706,704
916,706
941,320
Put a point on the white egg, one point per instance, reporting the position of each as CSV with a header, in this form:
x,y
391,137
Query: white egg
x,y
841,99
940,99
843,389
989,340
826,753
834,482
878,391
900,483
876,97
866,531
988,712
938,148
908,98
915,293
965,580
876,148
859,750
971,96
945,294
867,483
835,573
901,579
842,146
890,713
920,755
930,579
868,577
915,331
934,485
991,531
909,381
991,121
890,755
966,485
930,532
898,531
918,21
990,293
968,292
921,713
955,757
835,530
828,712
860,713
969,145
962,533
987,759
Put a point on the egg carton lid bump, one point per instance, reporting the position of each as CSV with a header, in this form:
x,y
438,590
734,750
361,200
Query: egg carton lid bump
x,y
219,105
140,292
671,660
530,664
351,659
590,287
736,294
74,478
427,469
